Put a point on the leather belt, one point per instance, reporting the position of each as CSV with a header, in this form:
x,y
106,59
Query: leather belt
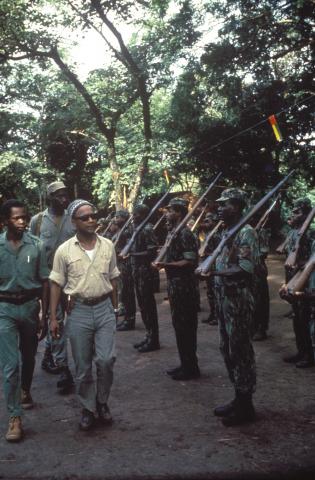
x,y
18,298
94,300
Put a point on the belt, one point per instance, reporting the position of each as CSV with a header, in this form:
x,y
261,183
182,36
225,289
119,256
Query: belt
x,y
94,300
18,298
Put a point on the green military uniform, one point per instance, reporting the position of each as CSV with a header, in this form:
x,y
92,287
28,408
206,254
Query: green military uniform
x,y
300,305
310,291
262,308
144,281
22,272
183,298
213,243
235,304
127,284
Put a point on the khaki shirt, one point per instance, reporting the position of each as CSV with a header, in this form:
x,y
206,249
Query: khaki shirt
x,y
24,268
78,275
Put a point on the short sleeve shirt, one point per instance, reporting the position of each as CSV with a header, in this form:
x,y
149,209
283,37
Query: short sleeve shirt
x,y
25,268
80,276
183,247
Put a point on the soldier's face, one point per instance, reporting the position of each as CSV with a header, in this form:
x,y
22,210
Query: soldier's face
x,y
60,199
120,221
297,217
17,222
227,211
172,216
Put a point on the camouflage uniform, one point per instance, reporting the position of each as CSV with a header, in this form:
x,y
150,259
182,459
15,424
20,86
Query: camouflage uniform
x,y
300,305
235,306
310,291
144,282
127,284
183,298
213,243
262,308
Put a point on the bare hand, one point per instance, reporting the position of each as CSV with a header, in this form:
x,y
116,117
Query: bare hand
x,y
42,328
54,329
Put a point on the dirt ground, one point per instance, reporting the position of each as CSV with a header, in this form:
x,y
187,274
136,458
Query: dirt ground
x,y
165,429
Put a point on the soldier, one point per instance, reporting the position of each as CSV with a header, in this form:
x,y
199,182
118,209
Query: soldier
x,y
53,226
127,288
206,226
304,356
181,261
23,281
262,308
142,253
85,268
234,273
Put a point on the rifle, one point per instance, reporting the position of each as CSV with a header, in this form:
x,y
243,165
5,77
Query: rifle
x,y
264,219
297,283
203,247
282,246
159,221
193,228
183,223
127,247
123,228
206,265
293,255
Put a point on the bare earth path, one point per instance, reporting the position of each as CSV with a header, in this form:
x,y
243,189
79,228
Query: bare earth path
x,y
164,429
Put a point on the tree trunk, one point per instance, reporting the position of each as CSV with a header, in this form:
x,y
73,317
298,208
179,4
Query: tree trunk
x,y
115,172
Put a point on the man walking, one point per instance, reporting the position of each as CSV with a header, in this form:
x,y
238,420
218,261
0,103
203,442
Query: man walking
x,y
53,227
85,269
23,281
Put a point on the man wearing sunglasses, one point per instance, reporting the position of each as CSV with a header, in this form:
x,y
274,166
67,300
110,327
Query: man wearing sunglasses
x,y
53,226
85,269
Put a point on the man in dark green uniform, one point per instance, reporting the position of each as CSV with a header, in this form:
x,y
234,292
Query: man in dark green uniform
x,y
234,279
128,298
181,261
53,226
304,356
23,281
142,254
208,224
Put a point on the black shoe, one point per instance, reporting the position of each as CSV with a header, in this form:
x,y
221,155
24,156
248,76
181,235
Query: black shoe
x,y
65,381
182,375
305,363
224,410
149,347
260,336
49,365
87,420
126,326
172,371
104,413
293,358
140,344
243,411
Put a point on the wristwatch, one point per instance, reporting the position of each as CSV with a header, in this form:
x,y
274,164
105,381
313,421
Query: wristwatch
x,y
116,311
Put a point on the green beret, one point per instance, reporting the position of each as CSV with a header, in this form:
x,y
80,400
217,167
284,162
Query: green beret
x,y
178,202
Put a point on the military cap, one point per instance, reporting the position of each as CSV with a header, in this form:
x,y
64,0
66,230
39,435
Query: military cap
x,y
303,203
54,186
178,202
122,213
141,208
232,193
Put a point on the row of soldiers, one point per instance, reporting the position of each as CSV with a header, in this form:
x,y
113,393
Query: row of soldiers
x,y
237,289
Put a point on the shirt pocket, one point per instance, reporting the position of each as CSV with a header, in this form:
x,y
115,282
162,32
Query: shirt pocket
x,y
103,264
45,234
76,268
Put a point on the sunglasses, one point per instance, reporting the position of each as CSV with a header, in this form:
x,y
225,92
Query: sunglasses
x,y
85,218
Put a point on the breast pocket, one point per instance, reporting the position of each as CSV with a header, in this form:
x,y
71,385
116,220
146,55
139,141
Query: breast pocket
x,y
76,268
103,266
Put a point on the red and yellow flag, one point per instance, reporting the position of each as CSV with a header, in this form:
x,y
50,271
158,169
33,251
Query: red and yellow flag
x,y
275,127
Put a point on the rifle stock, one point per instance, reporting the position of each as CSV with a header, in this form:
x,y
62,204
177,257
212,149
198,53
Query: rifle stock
x,y
297,283
125,251
183,222
282,246
264,219
204,268
123,228
291,261
203,247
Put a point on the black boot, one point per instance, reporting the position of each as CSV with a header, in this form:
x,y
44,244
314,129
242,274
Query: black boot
x,y
141,343
149,346
65,382
243,411
224,410
48,363
127,325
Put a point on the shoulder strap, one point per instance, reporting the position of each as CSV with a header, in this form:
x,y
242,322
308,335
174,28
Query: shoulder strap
x,y
38,224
